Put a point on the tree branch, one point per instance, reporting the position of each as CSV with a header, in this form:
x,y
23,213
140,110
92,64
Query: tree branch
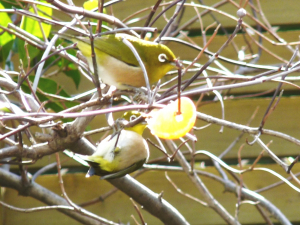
x,y
159,208
42,194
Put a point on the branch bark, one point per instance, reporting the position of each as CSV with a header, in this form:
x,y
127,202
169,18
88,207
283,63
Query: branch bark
x,y
158,207
42,194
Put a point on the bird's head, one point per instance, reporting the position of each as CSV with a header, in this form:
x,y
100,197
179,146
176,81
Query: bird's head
x,y
160,61
139,127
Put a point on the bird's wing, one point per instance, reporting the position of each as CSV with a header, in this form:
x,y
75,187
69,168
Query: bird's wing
x,y
113,46
125,171
99,166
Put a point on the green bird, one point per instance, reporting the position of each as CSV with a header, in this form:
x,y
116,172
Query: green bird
x,y
118,66
120,153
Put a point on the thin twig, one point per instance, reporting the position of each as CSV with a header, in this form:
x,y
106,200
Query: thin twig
x,y
138,211
183,193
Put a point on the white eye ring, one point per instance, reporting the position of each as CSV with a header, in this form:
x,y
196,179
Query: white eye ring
x,y
133,117
162,57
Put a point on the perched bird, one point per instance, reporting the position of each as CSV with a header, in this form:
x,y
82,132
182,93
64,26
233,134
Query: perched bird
x,y
121,153
118,66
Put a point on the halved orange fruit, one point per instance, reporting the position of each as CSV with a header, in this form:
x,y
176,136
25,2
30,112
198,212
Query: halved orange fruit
x,y
167,123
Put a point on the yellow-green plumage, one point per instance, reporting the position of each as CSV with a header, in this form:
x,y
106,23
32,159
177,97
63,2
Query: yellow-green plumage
x,y
118,66
138,128
120,154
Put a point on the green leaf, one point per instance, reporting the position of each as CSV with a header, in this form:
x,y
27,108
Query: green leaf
x,y
10,4
4,53
90,4
70,70
33,27
48,85
4,21
4,107
74,75
33,51
51,87
6,39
